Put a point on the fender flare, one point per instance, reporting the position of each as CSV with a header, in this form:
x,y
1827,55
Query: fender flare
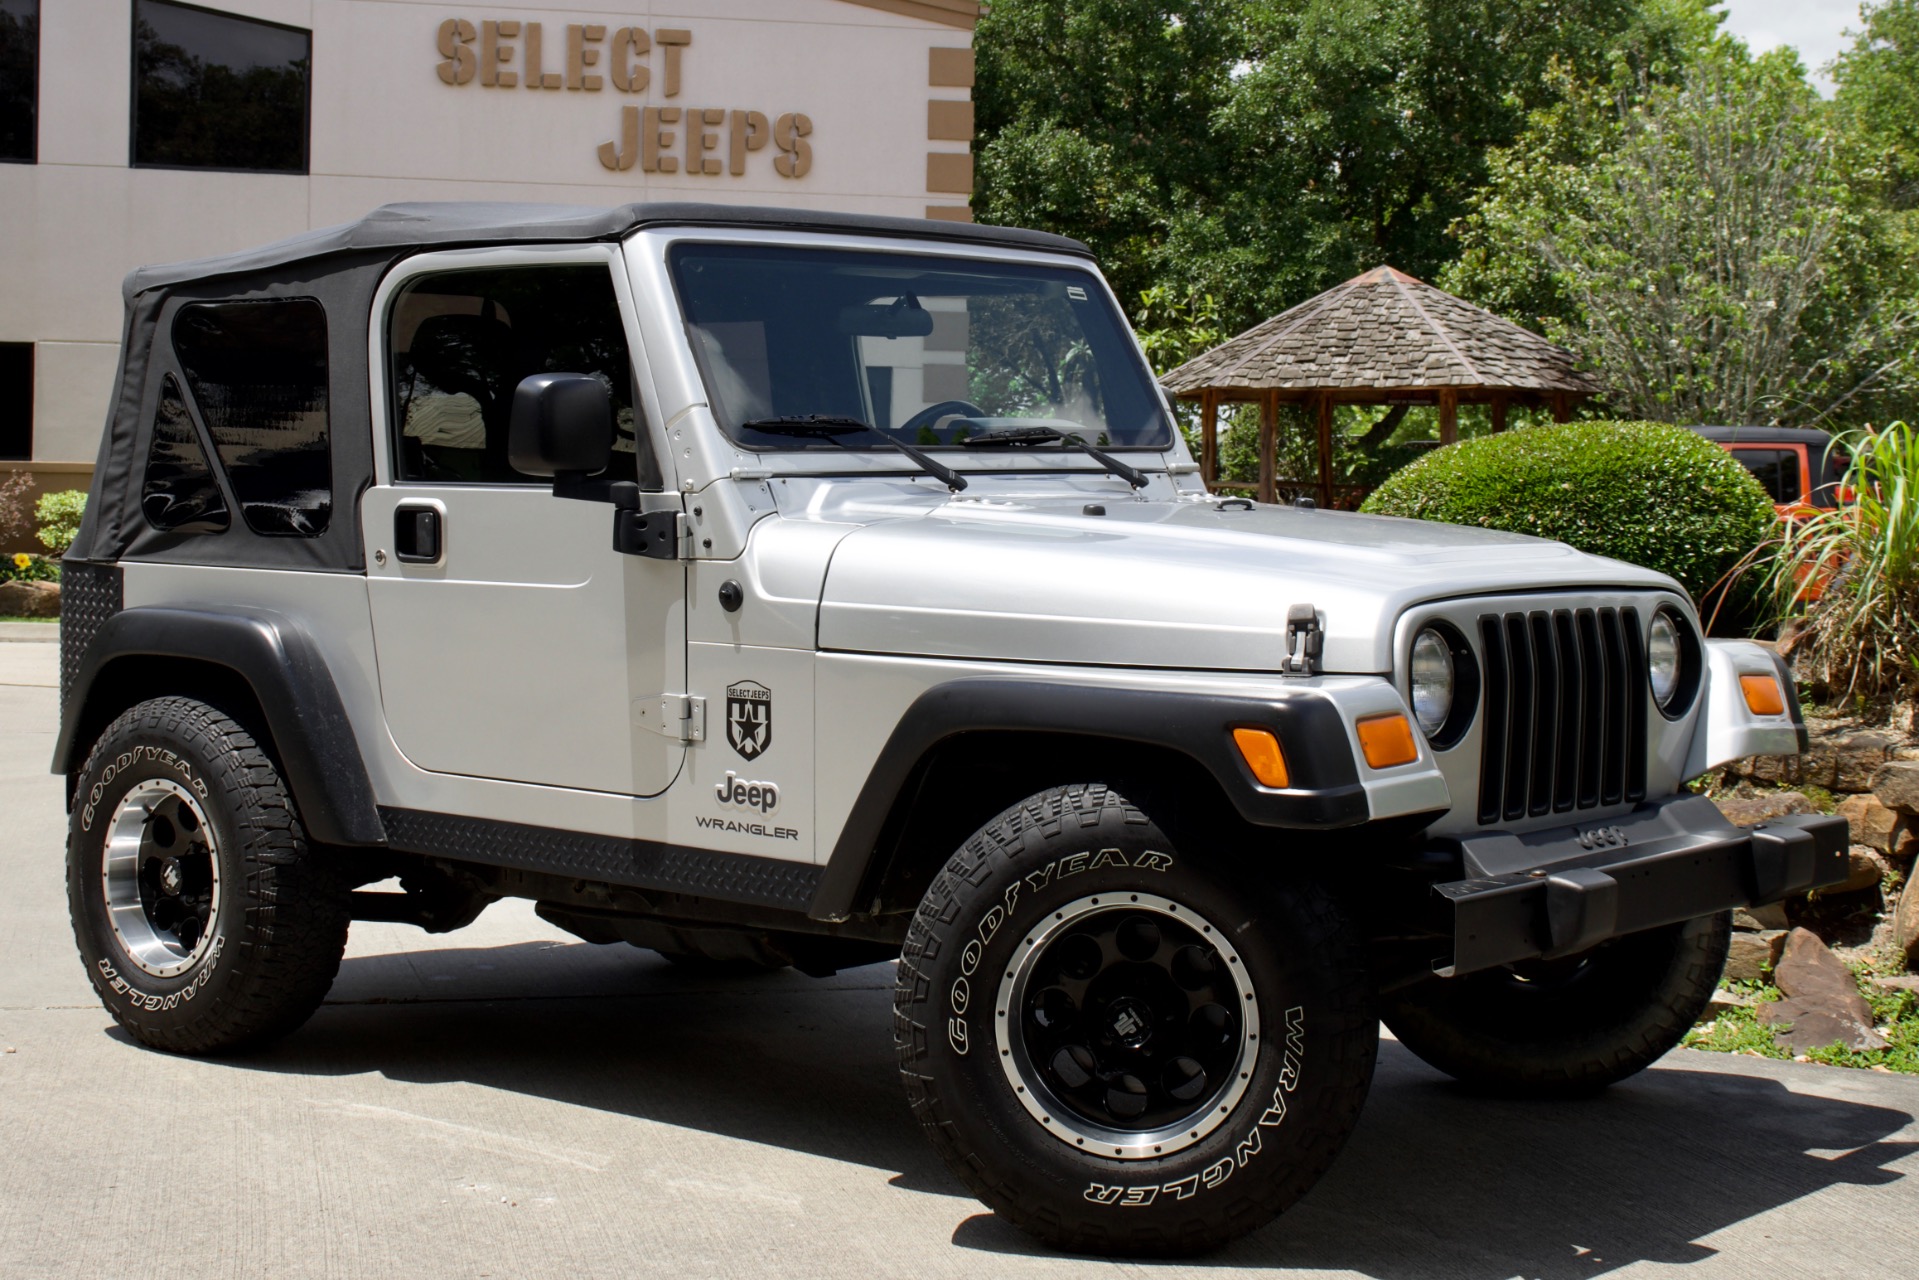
x,y
276,658
1325,790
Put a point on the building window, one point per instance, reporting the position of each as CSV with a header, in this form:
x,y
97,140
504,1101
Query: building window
x,y
213,91
19,78
257,372
16,401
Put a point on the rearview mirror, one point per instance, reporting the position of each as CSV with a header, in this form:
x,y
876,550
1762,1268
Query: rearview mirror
x,y
561,423
879,320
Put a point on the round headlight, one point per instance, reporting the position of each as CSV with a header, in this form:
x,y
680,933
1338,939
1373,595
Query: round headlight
x,y
1663,659
1432,681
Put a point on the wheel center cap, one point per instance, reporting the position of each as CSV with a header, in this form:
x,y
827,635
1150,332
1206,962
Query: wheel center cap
x,y
1130,1021
170,878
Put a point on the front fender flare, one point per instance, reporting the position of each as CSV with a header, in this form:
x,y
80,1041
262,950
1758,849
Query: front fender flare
x,y
312,737
1325,790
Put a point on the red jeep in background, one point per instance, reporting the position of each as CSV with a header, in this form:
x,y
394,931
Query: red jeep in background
x,y
1803,468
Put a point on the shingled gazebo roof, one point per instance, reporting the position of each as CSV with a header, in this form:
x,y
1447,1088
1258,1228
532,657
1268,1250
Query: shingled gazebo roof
x,y
1384,331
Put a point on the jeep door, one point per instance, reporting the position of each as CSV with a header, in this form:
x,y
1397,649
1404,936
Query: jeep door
x,y
513,642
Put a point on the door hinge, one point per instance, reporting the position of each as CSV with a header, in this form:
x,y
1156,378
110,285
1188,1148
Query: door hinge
x,y
679,716
658,535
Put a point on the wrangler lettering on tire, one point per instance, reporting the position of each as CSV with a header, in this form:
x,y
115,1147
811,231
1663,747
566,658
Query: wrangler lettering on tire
x,y
1134,1022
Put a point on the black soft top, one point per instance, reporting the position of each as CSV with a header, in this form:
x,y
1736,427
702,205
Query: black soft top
x,y
443,224
341,268
1765,435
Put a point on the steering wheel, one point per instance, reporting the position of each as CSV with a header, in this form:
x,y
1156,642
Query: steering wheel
x,y
934,412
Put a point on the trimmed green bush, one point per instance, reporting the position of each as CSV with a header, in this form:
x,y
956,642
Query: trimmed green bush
x,y
59,515
1643,492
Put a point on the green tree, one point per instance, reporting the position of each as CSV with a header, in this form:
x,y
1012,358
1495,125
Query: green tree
x,y
1690,230
1262,150
1878,98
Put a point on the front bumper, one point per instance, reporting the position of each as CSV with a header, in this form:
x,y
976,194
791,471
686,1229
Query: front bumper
x,y
1557,892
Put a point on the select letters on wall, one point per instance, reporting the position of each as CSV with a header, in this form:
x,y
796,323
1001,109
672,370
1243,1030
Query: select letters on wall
x,y
585,58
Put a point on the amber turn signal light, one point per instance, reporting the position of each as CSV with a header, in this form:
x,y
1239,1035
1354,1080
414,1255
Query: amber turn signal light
x,y
1387,740
1263,756
1762,695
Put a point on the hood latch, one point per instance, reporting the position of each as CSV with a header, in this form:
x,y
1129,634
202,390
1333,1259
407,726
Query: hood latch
x,y
1304,641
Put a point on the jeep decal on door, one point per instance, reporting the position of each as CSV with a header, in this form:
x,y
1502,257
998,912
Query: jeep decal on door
x,y
749,718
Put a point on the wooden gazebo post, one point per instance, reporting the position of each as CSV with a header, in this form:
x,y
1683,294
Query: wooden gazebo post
x,y
1324,419
1209,437
1269,446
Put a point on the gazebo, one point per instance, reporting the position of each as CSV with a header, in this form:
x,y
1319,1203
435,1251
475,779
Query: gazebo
x,y
1381,338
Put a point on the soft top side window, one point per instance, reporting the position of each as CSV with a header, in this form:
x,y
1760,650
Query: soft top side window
x,y
459,342
178,493
258,373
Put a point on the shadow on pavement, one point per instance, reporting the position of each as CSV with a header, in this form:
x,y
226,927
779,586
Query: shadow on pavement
x,y
1435,1182
1439,1183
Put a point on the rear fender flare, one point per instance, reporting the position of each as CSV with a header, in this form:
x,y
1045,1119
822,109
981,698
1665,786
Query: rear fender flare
x,y
278,661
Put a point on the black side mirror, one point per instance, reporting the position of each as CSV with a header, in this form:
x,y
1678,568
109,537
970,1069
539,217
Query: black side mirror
x,y
562,423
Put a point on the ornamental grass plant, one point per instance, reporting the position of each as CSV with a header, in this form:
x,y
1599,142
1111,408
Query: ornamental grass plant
x,y
1846,580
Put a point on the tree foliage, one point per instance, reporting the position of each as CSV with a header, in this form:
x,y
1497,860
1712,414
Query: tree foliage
x,y
1692,233
1263,150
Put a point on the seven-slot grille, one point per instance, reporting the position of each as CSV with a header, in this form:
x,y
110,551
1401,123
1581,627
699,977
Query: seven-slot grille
x,y
1565,711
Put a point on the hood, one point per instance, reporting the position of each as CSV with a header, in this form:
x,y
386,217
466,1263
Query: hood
x,y
1177,584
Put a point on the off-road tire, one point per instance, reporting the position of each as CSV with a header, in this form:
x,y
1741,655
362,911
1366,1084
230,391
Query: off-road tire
x,y
279,928
1051,854
1577,1025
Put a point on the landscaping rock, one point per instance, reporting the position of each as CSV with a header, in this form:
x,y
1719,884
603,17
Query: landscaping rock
x,y
30,599
1857,757
1822,1005
1723,1001
1905,923
1803,1025
1865,869
1770,916
1898,982
1750,953
1896,785
1750,811
1872,823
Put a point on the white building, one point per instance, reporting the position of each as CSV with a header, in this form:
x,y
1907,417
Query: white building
x,y
140,131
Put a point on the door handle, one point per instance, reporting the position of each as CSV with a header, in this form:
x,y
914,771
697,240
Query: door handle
x,y
418,534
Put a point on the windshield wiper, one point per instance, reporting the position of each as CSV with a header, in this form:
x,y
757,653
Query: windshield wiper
x,y
1014,437
831,426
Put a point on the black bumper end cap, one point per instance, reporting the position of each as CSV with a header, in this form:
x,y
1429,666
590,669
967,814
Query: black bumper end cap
x,y
1793,854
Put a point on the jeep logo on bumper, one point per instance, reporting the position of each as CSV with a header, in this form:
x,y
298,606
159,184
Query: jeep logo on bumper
x,y
1602,838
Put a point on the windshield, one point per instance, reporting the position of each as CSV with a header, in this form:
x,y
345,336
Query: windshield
x,y
929,350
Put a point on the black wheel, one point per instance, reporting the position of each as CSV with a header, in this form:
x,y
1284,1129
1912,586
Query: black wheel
x,y
204,920
1563,1028
1121,1049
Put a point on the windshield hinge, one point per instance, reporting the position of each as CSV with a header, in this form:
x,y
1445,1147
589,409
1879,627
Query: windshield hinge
x,y
1304,641
679,716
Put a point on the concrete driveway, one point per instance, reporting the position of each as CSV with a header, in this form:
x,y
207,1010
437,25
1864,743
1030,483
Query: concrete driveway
x,y
507,1101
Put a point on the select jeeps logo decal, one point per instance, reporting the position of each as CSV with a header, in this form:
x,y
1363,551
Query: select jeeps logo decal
x,y
761,797
1215,1174
749,718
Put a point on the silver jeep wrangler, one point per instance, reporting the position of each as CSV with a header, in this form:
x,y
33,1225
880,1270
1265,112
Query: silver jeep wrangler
x,y
774,588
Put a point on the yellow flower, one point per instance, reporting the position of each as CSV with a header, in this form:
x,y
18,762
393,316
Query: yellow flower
x,y
22,561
